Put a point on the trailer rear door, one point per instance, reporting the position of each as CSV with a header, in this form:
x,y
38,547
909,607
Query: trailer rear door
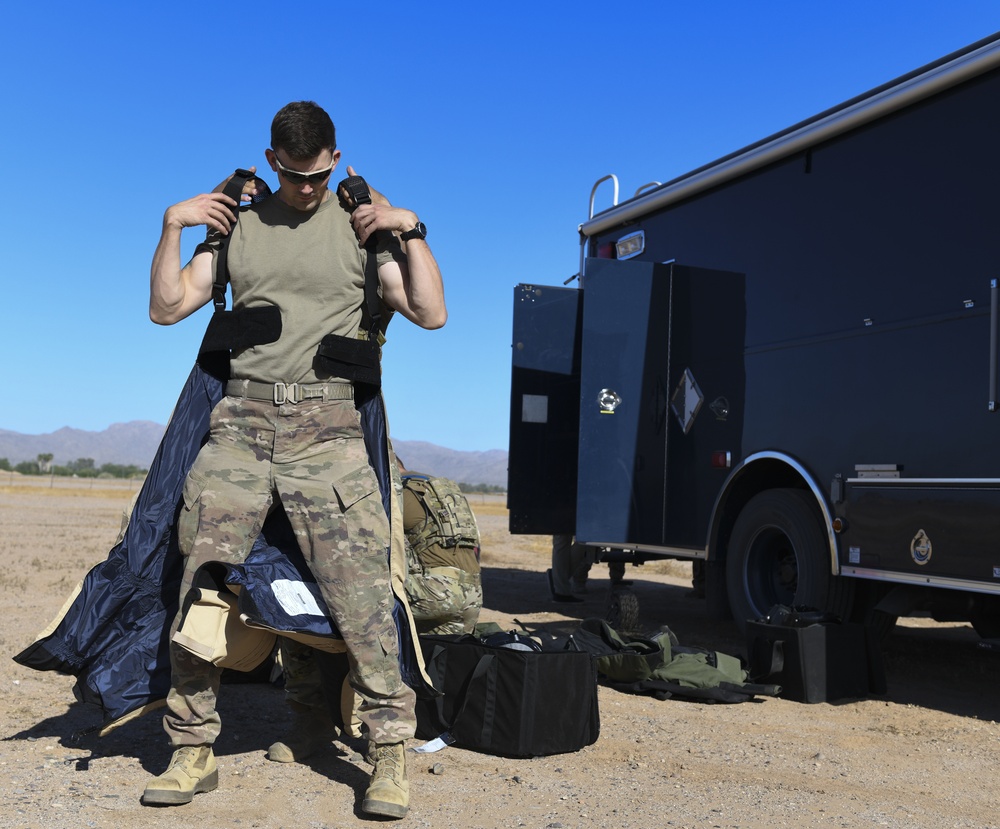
x,y
545,410
662,391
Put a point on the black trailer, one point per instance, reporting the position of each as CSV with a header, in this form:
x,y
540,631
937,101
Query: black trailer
x,y
784,363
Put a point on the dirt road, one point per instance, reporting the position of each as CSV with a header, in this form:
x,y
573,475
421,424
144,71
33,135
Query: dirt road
x,y
922,756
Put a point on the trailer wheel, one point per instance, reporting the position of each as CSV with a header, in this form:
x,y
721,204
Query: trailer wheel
x,y
778,554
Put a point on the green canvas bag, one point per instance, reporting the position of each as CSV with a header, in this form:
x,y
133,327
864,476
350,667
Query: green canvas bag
x,y
661,667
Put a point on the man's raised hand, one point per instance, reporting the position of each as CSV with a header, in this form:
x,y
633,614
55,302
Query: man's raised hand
x,y
214,210
249,186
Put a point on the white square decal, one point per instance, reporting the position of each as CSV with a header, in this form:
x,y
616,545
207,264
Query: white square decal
x,y
534,408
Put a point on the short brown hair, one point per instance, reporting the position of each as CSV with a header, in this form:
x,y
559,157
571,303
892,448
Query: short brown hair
x,y
303,130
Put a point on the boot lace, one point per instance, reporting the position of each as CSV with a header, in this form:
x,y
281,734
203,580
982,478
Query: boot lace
x,y
186,756
388,761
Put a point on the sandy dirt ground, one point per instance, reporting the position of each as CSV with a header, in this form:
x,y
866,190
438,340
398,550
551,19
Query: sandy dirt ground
x,y
924,755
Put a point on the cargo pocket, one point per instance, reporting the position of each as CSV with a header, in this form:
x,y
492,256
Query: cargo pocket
x,y
188,519
380,674
359,499
354,487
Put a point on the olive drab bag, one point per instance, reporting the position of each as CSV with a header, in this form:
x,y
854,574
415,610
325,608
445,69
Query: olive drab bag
x,y
661,667
449,520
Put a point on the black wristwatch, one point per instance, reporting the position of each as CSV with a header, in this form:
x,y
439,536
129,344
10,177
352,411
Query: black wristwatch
x,y
419,232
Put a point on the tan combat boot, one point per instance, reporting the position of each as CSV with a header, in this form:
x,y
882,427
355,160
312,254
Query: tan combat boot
x,y
191,771
312,730
388,792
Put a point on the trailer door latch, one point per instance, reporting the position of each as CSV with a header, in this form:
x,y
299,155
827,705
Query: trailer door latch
x,y
608,400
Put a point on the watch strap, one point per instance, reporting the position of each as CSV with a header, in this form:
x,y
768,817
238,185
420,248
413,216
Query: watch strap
x,y
419,231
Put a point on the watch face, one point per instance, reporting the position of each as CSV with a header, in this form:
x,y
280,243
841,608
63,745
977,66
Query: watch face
x,y
418,232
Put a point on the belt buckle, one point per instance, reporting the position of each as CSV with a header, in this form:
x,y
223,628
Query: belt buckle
x,y
286,393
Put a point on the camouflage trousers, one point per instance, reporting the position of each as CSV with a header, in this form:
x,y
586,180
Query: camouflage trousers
x,y
311,457
303,680
444,599
306,688
571,563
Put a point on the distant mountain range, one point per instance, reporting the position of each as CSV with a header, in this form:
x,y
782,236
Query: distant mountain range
x,y
132,443
488,467
136,442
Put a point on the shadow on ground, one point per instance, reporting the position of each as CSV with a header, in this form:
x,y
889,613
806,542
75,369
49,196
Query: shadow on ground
x,y
941,668
254,714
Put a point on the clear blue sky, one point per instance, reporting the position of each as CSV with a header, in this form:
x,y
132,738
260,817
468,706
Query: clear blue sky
x,y
492,121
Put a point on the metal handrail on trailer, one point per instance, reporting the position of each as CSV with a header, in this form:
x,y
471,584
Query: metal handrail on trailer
x,y
949,71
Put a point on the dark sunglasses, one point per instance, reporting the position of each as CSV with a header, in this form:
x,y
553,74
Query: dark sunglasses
x,y
294,177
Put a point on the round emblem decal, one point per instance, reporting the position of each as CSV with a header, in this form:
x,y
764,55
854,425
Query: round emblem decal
x,y
921,548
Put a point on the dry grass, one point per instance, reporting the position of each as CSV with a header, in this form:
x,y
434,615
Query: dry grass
x,y
487,504
73,488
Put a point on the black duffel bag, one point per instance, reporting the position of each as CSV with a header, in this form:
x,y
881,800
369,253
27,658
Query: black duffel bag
x,y
505,696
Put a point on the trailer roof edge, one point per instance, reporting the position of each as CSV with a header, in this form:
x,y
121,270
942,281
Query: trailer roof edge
x,y
908,89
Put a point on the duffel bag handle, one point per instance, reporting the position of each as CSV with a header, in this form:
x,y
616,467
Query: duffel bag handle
x,y
477,679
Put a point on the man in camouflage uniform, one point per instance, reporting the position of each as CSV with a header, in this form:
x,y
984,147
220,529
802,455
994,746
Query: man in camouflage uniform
x,y
445,595
288,434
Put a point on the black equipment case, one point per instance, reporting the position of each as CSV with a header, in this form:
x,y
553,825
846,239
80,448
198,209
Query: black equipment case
x,y
821,661
508,701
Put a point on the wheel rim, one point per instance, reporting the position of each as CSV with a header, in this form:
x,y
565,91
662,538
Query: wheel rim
x,y
771,573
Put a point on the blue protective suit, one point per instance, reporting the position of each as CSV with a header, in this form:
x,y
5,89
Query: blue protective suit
x,y
113,636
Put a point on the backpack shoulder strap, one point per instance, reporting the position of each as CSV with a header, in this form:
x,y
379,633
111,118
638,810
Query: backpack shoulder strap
x,y
419,485
354,191
233,189
233,330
